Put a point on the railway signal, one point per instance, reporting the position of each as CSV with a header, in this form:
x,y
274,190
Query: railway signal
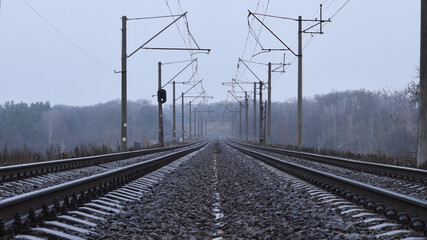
x,y
161,96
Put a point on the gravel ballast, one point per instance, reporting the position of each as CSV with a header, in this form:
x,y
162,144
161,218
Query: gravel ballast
x,y
222,194
405,187
12,189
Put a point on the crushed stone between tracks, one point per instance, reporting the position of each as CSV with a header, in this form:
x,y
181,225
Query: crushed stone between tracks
x,y
255,205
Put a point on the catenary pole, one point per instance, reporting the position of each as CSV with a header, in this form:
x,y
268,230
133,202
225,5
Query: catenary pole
x,y
261,112
299,55
299,82
240,121
299,133
255,112
173,110
182,116
160,132
199,132
124,90
195,122
422,121
246,115
232,125
201,126
189,115
265,122
268,139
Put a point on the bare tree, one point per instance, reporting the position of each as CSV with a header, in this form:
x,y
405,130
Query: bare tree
x,y
50,121
413,88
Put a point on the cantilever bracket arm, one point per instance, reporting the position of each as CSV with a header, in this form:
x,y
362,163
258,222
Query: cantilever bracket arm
x,y
193,86
235,80
317,24
195,97
203,100
200,97
236,98
157,34
241,81
207,50
240,60
190,89
288,48
182,70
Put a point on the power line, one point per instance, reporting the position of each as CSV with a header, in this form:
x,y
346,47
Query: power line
x,y
179,29
246,42
252,32
189,35
327,7
248,35
75,45
333,15
188,30
340,9
68,39
259,33
318,10
312,37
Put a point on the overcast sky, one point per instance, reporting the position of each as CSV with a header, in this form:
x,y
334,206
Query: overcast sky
x,y
369,44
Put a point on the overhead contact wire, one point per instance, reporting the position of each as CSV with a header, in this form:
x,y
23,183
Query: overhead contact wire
x,y
68,39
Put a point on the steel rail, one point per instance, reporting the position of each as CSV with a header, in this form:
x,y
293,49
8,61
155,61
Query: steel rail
x,y
358,192
406,173
21,204
21,171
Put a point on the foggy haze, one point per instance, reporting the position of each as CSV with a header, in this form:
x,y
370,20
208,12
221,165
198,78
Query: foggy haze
x,y
368,44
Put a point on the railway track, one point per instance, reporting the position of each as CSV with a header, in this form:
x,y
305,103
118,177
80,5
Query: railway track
x,y
404,173
221,193
23,178
24,185
402,209
414,187
72,201
23,171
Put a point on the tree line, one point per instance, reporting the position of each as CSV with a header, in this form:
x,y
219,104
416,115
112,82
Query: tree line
x,y
359,121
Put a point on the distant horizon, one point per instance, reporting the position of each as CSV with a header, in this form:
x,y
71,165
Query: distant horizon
x,y
153,101
357,120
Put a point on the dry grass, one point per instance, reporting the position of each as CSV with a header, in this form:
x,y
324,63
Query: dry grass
x,y
376,158
26,155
